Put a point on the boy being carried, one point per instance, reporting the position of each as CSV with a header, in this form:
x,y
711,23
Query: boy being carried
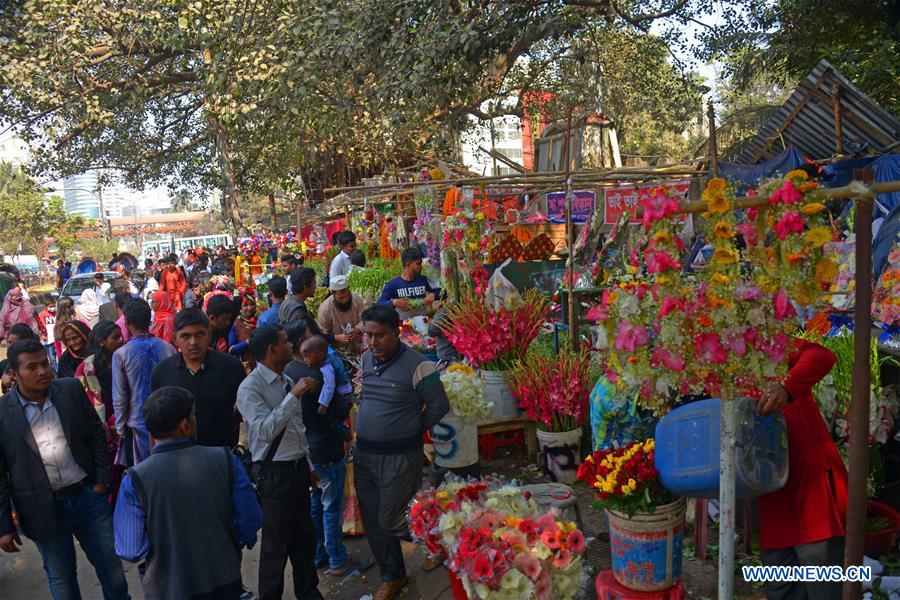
x,y
336,382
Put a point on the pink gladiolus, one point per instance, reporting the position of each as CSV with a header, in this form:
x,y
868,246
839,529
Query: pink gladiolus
x,y
752,213
787,194
595,313
783,307
629,337
790,222
671,361
709,348
660,261
458,235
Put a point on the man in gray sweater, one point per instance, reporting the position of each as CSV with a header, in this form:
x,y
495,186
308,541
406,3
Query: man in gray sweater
x,y
402,398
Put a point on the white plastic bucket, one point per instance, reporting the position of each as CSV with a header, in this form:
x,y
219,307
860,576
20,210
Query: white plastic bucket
x,y
560,454
496,390
455,442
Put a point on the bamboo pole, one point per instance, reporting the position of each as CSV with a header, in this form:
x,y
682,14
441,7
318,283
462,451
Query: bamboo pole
x,y
713,147
838,120
570,240
859,402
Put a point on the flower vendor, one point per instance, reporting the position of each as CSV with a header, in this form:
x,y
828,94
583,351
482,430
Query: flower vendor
x,y
802,524
410,289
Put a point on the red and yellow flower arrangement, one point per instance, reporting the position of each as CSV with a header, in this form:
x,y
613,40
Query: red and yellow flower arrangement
x,y
626,479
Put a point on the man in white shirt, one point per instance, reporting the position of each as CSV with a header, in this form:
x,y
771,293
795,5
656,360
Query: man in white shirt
x,y
102,288
270,404
341,264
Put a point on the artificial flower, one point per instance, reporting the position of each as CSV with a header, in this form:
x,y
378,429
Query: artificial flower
x,y
812,208
818,236
724,256
783,307
724,230
629,337
786,194
718,205
826,269
716,185
790,222
748,232
709,348
798,174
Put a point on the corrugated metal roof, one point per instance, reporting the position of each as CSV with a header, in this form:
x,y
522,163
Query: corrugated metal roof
x,y
806,121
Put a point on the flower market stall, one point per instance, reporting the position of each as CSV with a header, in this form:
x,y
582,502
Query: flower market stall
x,y
722,329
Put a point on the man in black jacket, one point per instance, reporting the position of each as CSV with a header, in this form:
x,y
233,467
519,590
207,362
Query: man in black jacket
x,y
54,467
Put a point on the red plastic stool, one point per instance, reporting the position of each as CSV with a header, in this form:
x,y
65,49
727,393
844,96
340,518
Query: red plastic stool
x,y
610,589
701,526
489,442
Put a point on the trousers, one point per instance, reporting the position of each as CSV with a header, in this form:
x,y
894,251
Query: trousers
x,y
86,516
817,554
287,533
385,485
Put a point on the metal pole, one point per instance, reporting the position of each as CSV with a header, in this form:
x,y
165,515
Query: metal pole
x,y
859,399
727,432
713,147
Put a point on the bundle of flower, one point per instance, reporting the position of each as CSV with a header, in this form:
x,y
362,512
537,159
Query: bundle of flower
x,y
410,336
494,339
502,555
726,331
626,479
430,505
465,392
553,391
464,250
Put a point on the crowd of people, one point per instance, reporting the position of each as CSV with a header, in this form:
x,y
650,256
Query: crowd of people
x,y
166,420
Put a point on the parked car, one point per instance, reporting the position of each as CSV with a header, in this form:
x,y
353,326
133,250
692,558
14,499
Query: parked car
x,y
78,283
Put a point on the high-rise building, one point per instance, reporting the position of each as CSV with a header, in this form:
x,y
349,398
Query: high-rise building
x,y
13,149
80,193
83,197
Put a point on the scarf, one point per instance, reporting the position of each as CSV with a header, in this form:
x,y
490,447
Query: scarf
x,y
90,307
163,325
245,325
13,313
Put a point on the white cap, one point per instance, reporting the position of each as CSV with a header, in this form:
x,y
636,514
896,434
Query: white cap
x,y
338,283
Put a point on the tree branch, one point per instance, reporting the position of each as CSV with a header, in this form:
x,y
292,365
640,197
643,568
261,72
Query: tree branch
x,y
640,20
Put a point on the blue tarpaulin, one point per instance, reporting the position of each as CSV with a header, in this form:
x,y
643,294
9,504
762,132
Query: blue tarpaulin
x,y
749,175
887,168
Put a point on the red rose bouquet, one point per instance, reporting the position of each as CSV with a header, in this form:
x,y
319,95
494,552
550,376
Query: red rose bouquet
x,y
626,479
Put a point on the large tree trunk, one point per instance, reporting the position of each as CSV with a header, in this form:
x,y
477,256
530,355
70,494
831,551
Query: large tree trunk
x,y
231,193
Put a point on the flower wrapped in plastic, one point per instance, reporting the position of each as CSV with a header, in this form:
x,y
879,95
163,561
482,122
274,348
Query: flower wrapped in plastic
x,y
465,392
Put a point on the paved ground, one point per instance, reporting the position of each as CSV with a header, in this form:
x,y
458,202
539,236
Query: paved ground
x,y
22,577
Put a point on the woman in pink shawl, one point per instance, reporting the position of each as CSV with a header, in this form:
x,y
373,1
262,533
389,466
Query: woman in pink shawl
x,y
16,309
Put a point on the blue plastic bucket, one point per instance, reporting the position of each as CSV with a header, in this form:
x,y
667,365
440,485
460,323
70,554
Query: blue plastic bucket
x,y
646,548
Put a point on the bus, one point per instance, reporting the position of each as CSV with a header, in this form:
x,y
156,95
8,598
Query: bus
x,y
165,247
